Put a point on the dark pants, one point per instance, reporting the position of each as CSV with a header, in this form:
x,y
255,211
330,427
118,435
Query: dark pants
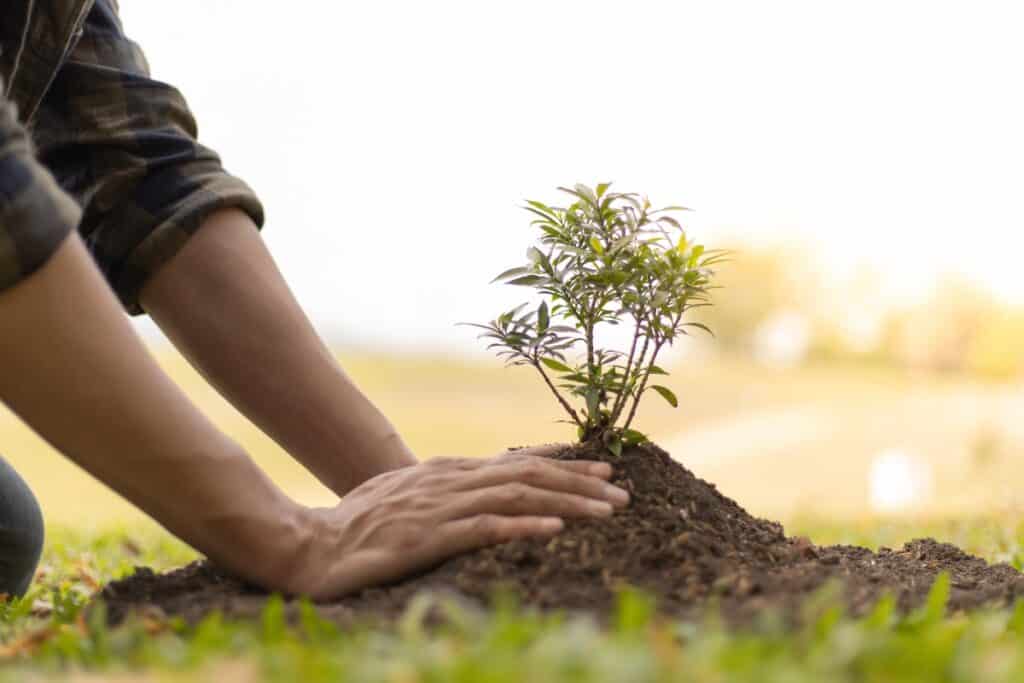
x,y
21,532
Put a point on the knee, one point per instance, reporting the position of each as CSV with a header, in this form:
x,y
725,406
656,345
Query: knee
x,y
21,532
22,548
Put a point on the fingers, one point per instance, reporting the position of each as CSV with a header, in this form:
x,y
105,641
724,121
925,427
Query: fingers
x,y
463,535
547,451
544,451
589,467
516,498
542,474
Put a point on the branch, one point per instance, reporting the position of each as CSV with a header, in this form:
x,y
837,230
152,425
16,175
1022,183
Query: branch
x,y
630,373
561,400
589,327
620,400
643,385
571,304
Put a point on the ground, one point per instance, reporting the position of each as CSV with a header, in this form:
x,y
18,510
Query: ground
x,y
510,645
813,475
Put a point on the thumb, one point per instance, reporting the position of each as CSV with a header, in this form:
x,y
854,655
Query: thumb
x,y
545,451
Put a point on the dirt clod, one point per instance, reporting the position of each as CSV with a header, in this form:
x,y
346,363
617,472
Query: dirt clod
x,y
680,540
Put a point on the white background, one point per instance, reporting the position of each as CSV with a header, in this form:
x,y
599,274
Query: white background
x,y
392,142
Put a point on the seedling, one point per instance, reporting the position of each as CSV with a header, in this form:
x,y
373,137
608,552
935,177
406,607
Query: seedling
x,y
605,259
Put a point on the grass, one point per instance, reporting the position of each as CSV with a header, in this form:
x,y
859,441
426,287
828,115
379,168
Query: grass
x,y
48,635
969,431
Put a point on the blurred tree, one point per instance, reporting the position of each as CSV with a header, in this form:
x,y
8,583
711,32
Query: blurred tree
x,y
997,348
770,296
756,285
938,334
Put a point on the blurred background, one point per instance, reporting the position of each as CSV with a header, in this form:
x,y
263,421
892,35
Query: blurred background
x,y
863,161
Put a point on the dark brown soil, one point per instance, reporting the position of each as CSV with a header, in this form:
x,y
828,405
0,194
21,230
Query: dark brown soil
x,y
680,540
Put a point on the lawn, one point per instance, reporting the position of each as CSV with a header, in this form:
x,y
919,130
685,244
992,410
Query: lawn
x,y
811,474
47,635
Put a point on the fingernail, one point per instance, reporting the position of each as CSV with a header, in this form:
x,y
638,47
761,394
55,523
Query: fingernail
x,y
551,525
615,494
599,507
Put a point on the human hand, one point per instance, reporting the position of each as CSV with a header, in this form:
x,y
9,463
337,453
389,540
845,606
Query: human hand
x,y
412,518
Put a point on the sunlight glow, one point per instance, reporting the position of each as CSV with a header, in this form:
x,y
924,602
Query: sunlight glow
x,y
898,481
393,141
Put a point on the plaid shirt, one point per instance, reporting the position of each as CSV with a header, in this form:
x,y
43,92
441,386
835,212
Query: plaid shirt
x,y
88,139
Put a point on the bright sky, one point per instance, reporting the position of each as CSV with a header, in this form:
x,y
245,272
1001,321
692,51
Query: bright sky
x,y
393,141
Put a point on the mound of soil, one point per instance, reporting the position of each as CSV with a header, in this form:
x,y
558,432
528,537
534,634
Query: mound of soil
x,y
679,540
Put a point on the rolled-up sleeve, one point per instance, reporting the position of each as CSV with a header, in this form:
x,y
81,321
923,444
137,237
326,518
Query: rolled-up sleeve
x,y
36,216
124,145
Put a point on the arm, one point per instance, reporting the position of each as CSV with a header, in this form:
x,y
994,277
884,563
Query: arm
x,y
125,145
225,305
74,370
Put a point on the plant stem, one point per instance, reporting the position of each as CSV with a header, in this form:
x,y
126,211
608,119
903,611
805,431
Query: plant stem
x,y
571,305
590,348
636,373
654,357
620,400
643,384
561,400
631,372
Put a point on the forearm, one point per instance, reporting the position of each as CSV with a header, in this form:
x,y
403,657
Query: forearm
x,y
74,370
225,305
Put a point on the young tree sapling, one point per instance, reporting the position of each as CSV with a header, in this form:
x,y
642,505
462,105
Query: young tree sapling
x,y
605,259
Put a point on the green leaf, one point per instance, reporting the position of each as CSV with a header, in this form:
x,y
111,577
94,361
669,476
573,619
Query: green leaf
x,y
273,619
542,317
881,616
934,608
632,437
586,193
540,205
713,260
545,219
620,243
602,188
698,250
535,255
592,403
560,346
551,232
574,193
522,270
633,611
700,326
556,365
615,447
528,280
596,245
666,394
655,370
